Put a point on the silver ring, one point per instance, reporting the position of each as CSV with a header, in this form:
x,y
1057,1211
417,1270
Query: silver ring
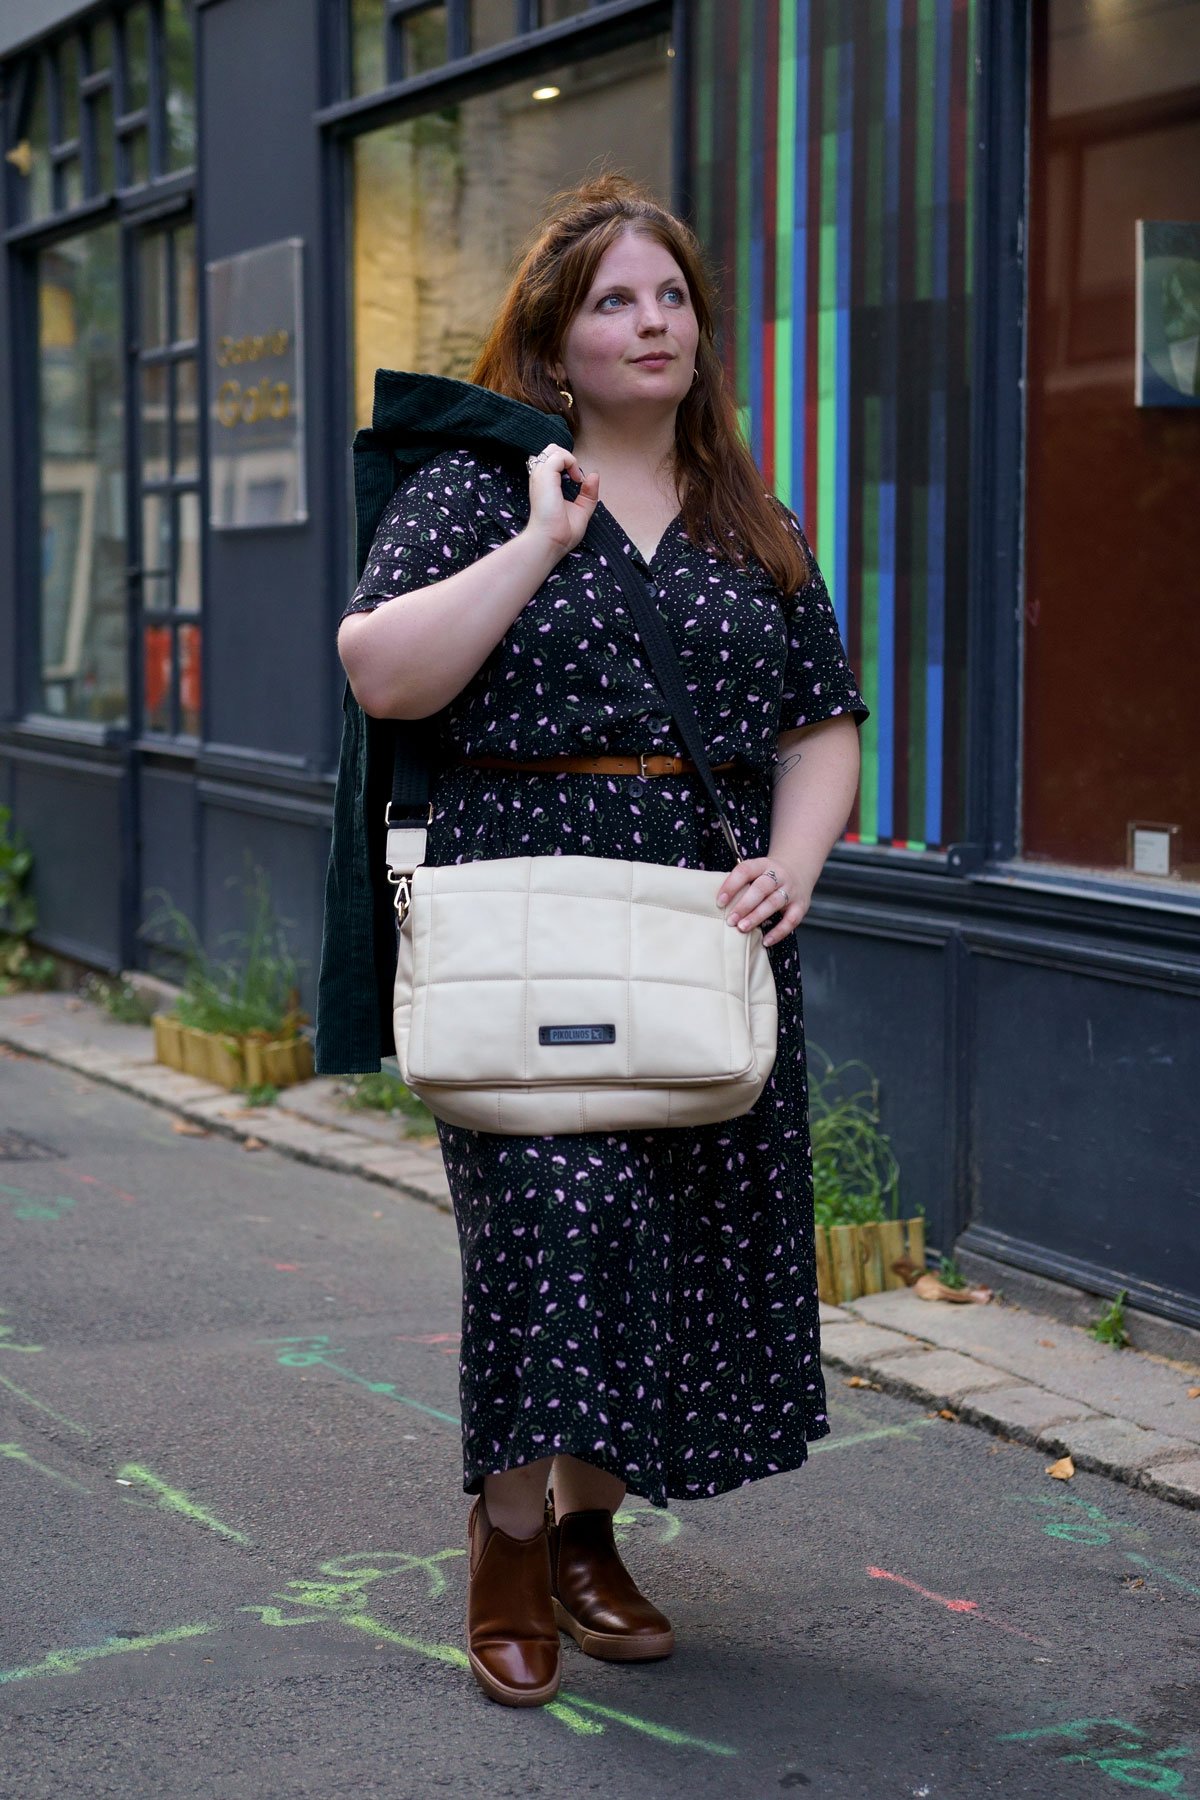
x,y
531,462
774,876
782,895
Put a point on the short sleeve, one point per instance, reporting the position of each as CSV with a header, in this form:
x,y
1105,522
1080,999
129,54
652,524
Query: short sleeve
x,y
818,681
429,529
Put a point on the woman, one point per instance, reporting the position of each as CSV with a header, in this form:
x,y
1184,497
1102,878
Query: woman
x,y
639,1309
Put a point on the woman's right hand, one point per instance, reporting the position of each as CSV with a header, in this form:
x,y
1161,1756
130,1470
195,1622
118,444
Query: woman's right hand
x,y
555,521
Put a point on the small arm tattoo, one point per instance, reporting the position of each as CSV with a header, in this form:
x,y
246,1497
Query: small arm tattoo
x,y
784,765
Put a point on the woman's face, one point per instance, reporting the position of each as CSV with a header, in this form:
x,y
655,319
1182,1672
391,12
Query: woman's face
x,y
631,347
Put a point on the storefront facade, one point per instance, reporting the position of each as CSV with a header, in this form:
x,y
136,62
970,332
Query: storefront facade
x,y
958,252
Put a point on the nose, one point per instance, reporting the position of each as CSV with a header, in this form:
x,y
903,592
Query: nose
x,y
651,317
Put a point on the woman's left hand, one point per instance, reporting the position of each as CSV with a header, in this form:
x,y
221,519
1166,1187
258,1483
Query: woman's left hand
x,y
763,889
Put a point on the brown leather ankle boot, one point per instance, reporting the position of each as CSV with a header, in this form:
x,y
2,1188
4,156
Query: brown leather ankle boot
x,y
512,1639
595,1597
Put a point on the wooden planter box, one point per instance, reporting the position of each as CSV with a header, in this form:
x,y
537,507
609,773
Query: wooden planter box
x,y
231,1062
853,1260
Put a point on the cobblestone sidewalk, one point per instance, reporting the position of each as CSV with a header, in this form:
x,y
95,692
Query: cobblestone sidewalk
x,y
1010,1370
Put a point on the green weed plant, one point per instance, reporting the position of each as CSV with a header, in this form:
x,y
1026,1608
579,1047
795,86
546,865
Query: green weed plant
x,y
1109,1328
20,966
856,1178
251,991
386,1093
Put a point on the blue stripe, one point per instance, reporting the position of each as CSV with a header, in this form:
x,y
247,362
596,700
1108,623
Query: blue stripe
x,y
935,604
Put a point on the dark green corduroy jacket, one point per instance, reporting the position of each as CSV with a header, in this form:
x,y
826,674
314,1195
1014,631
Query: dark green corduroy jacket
x,y
414,418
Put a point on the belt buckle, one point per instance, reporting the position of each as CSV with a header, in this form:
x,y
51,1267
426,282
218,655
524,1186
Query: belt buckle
x,y
643,771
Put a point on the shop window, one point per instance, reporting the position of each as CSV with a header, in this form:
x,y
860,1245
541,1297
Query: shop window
x,y
1111,627
831,163
90,119
168,461
81,447
399,40
443,202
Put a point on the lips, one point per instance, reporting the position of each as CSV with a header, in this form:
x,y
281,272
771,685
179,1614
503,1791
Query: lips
x,y
653,360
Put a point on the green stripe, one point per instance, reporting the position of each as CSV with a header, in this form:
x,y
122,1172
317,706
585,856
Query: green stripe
x,y
745,140
868,656
827,422
785,249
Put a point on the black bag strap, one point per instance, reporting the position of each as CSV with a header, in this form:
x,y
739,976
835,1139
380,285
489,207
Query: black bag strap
x,y
603,531
412,775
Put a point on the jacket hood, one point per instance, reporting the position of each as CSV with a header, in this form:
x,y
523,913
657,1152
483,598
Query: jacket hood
x,y
416,416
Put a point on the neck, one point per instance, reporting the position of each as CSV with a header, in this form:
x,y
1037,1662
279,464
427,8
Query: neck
x,y
623,451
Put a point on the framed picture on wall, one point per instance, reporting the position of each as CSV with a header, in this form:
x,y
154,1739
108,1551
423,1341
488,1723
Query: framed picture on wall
x,y
1168,313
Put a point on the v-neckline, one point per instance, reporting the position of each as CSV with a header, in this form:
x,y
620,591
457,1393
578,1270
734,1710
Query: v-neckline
x,y
668,527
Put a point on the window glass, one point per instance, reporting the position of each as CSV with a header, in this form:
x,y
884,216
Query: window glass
x,y
423,36
187,414
832,149
1111,626
70,174
368,67
188,640
40,183
443,202
186,329
100,56
137,158
157,671
180,86
492,22
137,59
82,598
552,11
101,108
68,91
153,422
187,527
153,273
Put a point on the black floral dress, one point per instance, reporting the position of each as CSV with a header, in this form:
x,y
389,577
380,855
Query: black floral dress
x,y
643,1300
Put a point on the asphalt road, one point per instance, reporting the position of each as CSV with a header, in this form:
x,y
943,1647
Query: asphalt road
x,y
233,1534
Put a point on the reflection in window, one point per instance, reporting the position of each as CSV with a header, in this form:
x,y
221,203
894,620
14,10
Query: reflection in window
x,y
423,37
137,59
81,446
180,86
41,197
492,22
443,202
1111,628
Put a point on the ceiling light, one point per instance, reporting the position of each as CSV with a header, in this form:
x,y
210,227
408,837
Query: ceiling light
x,y
546,93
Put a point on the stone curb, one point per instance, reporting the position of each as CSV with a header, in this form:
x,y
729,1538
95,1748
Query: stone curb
x,y
992,1399
202,1104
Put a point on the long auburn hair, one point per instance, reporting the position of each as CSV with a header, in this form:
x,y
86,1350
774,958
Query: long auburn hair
x,y
725,504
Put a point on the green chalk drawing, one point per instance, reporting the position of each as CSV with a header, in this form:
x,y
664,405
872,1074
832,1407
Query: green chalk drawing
x,y
1098,1530
865,1437
32,1400
340,1596
1189,1587
1148,1769
69,1662
33,1206
318,1352
173,1500
6,1332
15,1453
659,1520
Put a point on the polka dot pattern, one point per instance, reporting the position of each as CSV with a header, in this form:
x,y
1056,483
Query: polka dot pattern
x,y
643,1300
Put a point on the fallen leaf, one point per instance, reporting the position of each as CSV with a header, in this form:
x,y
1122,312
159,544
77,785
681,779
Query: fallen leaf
x,y
187,1128
930,1287
1062,1470
1194,1393
944,1412
1047,1343
861,1381
253,1143
1133,1581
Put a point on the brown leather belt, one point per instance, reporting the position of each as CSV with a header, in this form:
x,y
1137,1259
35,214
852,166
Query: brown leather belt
x,y
646,764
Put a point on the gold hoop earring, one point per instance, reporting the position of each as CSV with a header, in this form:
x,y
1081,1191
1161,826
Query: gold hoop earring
x,y
568,396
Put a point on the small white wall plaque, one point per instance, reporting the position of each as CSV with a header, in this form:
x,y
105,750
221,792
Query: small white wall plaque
x,y
255,378
1153,849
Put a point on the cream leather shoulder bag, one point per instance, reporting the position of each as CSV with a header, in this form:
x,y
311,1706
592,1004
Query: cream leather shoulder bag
x,y
580,993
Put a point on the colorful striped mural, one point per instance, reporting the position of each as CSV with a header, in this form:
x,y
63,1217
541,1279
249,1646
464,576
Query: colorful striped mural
x,y
831,178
